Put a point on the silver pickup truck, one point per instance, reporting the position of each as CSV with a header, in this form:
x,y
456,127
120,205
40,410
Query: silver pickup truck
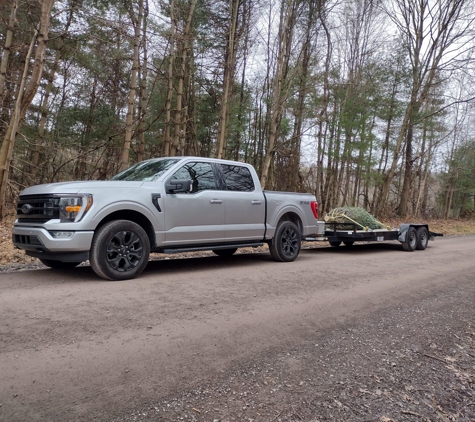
x,y
166,205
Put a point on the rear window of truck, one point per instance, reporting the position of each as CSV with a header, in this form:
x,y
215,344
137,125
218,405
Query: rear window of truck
x,y
237,178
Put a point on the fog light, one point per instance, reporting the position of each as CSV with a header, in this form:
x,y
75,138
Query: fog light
x,y
62,235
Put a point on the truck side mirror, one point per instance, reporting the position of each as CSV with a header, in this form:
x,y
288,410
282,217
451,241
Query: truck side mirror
x,y
179,186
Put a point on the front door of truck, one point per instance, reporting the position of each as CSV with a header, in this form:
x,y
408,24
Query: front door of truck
x,y
196,216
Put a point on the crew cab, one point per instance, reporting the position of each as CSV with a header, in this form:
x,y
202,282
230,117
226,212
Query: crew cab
x,y
166,205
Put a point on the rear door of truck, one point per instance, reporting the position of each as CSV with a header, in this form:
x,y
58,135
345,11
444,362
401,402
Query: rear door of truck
x,y
245,203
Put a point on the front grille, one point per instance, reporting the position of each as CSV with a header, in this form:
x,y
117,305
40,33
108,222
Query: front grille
x,y
37,208
20,239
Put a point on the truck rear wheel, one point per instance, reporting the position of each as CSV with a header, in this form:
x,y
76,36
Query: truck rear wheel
x,y
120,250
285,246
59,265
411,240
422,236
334,243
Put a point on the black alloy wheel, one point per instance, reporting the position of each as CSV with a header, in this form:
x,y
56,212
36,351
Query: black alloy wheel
x,y
285,246
120,250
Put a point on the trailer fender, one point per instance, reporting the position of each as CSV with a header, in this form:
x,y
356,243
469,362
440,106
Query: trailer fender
x,y
404,228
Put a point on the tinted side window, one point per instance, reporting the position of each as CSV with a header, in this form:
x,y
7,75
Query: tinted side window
x,y
200,173
237,178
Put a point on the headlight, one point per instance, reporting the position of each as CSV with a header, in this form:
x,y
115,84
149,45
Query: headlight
x,y
73,208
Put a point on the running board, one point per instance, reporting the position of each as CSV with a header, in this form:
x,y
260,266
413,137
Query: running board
x,y
210,247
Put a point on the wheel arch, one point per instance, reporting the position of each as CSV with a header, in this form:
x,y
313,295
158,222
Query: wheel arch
x,y
294,218
133,216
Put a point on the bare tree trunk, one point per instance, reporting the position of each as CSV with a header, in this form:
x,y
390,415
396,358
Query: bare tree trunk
x,y
179,92
286,32
431,32
392,170
41,127
192,146
171,64
377,205
229,70
143,88
39,146
137,24
25,95
7,47
422,168
321,188
303,84
407,181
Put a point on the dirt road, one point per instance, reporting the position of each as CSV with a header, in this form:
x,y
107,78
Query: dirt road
x,y
367,333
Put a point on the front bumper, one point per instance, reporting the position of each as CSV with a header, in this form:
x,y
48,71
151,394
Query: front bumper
x,y
37,239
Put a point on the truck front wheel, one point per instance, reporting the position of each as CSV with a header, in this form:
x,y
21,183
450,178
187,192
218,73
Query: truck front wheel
x,y
285,246
120,250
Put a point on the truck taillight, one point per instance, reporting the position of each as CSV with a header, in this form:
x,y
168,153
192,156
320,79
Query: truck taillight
x,y
314,206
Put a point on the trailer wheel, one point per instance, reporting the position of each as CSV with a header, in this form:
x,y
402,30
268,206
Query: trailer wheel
x,y
349,242
422,238
334,243
225,253
120,250
285,246
411,240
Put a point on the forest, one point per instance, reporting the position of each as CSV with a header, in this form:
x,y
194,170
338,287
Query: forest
x,y
366,103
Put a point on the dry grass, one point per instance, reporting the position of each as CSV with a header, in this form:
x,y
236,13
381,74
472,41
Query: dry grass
x,y
446,227
9,255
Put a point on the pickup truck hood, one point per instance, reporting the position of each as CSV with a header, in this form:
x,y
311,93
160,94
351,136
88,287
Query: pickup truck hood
x,y
77,187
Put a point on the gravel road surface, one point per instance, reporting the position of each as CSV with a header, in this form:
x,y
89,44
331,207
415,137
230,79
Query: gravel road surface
x,y
362,333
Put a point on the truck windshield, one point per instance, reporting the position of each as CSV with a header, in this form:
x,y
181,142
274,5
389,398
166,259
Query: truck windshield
x,y
146,171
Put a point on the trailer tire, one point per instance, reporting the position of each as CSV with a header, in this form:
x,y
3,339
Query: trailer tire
x,y
120,250
334,243
411,240
422,238
285,246
349,242
225,253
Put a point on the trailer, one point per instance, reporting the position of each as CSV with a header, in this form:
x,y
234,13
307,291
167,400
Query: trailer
x,y
413,236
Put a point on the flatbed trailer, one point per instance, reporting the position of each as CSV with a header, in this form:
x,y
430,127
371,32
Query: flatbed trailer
x,y
411,235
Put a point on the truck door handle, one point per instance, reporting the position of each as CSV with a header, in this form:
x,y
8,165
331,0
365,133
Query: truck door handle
x,y
256,202
216,201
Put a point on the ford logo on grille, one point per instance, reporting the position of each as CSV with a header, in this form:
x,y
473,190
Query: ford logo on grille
x,y
26,209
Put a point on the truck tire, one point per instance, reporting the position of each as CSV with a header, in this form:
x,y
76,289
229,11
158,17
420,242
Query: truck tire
x,y
225,253
334,243
59,265
285,246
411,240
422,236
120,250
349,242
